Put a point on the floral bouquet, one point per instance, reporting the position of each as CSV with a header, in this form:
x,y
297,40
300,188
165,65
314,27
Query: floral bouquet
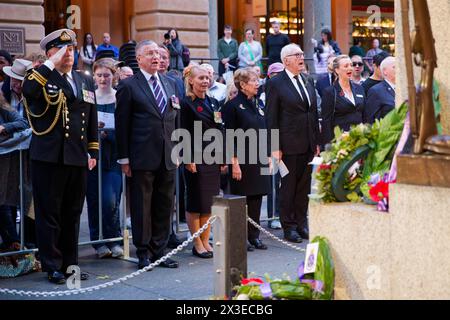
x,y
316,286
379,191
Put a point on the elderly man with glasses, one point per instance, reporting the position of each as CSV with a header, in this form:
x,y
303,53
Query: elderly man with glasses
x,y
292,108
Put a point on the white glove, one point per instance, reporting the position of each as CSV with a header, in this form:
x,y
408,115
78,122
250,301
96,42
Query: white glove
x,y
57,57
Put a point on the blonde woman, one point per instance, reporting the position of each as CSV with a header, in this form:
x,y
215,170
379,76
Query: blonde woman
x,y
202,180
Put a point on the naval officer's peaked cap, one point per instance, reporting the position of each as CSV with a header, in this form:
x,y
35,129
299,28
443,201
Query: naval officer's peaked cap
x,y
58,39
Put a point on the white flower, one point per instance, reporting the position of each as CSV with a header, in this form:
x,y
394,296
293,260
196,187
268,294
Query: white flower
x,y
243,297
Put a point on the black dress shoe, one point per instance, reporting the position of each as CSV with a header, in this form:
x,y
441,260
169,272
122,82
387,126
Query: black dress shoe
x,y
258,244
304,233
56,277
143,262
292,236
169,263
83,275
250,248
203,255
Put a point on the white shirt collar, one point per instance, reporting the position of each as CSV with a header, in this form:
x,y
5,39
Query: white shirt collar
x,y
149,75
391,84
291,75
69,74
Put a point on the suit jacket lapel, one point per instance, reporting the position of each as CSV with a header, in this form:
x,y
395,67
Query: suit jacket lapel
x,y
310,88
64,85
145,86
389,89
79,83
294,90
168,91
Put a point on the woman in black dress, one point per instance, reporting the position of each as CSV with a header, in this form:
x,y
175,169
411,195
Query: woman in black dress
x,y
202,180
250,180
342,103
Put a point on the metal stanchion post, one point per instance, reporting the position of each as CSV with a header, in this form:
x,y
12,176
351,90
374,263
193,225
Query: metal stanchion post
x,y
177,199
126,233
230,244
22,209
274,189
221,258
100,205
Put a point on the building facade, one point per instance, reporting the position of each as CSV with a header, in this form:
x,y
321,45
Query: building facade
x,y
200,22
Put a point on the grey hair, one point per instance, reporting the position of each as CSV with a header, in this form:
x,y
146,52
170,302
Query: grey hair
x,y
142,44
386,63
207,66
289,49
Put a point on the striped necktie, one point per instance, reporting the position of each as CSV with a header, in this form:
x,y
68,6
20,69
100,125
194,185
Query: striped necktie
x,y
159,94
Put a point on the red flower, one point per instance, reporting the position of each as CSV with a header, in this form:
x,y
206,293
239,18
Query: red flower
x,y
245,282
199,109
379,191
324,167
342,93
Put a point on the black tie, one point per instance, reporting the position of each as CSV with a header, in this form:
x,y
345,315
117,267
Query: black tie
x,y
302,92
66,77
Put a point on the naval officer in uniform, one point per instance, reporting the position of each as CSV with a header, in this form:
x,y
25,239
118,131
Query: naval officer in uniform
x,y
61,108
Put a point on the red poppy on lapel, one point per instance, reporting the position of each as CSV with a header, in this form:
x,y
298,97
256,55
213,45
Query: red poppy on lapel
x,y
342,94
199,109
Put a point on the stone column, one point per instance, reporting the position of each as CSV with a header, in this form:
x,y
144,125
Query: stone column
x,y
213,33
28,14
317,15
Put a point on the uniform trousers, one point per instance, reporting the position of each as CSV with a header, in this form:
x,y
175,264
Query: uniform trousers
x,y
59,191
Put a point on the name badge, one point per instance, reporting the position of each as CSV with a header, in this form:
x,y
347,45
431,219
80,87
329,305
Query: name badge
x,y
360,96
218,117
88,96
175,102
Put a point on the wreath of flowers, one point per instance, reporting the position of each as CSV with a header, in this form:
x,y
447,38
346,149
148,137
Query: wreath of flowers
x,y
382,138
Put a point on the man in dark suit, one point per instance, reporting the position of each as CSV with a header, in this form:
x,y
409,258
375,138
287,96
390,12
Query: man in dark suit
x,y
381,97
146,116
292,109
60,105
326,80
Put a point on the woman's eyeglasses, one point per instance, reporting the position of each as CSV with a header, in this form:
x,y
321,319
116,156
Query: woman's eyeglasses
x,y
358,64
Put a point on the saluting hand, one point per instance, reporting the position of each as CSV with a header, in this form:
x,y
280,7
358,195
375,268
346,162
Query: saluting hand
x,y
58,56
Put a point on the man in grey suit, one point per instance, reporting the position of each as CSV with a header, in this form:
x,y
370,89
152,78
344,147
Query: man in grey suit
x,y
146,115
381,97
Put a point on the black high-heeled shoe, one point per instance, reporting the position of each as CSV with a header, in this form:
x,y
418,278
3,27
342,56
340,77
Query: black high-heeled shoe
x,y
203,255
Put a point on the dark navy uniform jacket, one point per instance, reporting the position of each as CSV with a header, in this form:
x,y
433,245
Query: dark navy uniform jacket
x,y
67,143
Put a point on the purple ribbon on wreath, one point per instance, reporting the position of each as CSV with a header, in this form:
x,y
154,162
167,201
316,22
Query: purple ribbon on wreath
x,y
266,290
316,285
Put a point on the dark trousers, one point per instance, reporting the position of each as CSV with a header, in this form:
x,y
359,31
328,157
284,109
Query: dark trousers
x,y
111,193
274,186
254,212
152,202
8,230
295,188
59,193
